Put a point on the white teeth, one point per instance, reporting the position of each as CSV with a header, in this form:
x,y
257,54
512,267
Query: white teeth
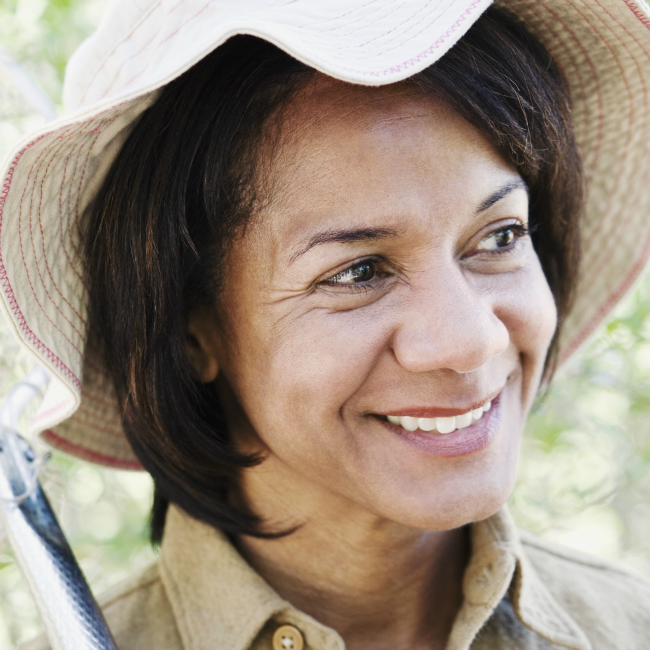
x,y
427,424
464,420
410,424
446,425
442,425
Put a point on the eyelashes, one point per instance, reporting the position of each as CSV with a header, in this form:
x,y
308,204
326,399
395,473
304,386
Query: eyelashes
x,y
364,271
367,274
503,239
362,276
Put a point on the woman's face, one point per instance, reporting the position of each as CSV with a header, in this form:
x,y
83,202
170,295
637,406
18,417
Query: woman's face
x,y
389,274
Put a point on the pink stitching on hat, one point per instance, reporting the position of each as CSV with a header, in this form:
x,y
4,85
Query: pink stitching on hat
x,y
71,190
424,55
80,129
47,266
395,8
68,228
596,233
61,211
393,69
624,28
62,137
396,27
31,195
62,236
38,271
85,454
178,29
126,39
607,305
6,284
411,36
599,128
31,286
618,63
191,18
372,54
639,13
54,409
576,68
107,117
643,18
77,212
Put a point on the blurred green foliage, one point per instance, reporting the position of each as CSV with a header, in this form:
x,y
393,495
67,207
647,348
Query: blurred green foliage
x,y
584,476
42,34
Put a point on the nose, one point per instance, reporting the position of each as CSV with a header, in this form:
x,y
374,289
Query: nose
x,y
448,323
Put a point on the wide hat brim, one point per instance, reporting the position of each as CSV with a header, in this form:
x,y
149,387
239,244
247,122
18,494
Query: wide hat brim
x,y
603,47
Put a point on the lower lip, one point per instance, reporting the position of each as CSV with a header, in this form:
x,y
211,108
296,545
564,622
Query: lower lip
x,y
461,442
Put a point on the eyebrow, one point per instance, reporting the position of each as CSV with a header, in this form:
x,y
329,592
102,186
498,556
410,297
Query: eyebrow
x,y
372,234
344,237
501,193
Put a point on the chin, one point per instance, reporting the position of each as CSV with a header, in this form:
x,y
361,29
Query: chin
x,y
455,515
451,506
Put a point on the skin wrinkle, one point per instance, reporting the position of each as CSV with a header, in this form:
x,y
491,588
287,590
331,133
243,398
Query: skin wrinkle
x,y
306,368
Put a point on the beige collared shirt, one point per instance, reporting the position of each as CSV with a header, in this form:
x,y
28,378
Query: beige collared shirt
x,y
519,592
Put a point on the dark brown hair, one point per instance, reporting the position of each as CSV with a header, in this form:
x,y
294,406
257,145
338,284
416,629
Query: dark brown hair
x,y
185,180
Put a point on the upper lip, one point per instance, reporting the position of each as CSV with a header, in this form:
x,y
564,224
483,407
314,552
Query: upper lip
x,y
440,412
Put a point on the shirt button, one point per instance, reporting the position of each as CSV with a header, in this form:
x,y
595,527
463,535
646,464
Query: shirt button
x,y
288,637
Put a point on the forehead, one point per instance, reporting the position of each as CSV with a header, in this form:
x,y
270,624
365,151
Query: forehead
x,y
340,149
332,113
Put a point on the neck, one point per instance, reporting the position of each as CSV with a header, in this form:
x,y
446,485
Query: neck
x,y
378,584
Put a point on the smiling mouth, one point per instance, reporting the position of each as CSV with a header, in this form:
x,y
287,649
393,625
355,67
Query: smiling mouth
x,y
444,425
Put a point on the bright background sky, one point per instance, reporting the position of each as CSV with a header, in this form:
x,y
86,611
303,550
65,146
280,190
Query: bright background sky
x,y
584,477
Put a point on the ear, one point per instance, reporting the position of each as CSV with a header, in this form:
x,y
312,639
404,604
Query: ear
x,y
202,344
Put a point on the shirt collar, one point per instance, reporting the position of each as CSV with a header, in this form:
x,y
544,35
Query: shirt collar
x,y
499,566
218,600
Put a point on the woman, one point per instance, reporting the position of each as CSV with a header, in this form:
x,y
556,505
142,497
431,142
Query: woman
x,y
320,310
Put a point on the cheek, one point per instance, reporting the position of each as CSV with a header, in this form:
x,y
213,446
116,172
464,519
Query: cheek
x,y
527,308
297,376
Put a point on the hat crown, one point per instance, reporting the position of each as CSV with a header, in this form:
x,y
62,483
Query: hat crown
x,y
142,45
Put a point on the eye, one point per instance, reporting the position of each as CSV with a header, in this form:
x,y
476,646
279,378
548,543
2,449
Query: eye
x,y
361,272
503,238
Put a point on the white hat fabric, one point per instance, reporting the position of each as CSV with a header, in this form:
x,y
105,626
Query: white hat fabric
x,y
602,46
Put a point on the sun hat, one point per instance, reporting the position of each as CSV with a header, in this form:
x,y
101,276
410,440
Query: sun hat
x,y
50,178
